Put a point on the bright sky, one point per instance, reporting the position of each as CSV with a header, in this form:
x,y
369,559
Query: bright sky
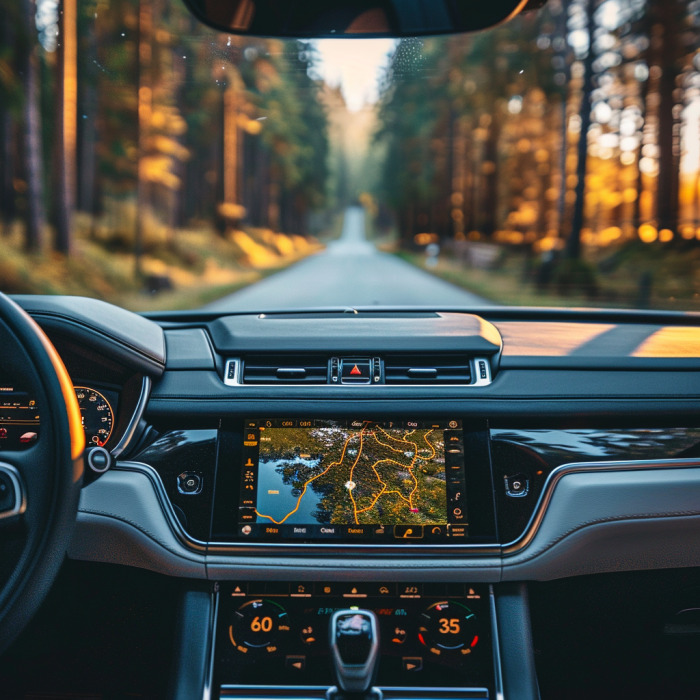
x,y
355,65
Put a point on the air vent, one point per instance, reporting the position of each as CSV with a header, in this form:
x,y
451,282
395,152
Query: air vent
x,y
427,369
285,369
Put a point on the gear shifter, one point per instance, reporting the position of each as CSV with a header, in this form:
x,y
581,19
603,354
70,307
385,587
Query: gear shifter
x,y
354,639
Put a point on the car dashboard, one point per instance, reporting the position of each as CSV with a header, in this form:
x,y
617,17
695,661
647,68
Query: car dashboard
x,y
469,475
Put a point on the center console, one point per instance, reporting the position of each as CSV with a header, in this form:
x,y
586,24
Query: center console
x,y
272,638
365,485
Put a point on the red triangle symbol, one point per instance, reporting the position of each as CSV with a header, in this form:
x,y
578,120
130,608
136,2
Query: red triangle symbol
x,y
355,370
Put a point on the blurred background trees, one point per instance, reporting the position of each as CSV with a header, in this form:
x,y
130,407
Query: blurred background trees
x,y
570,137
568,134
143,115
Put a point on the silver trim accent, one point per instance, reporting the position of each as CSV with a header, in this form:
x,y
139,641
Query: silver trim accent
x,y
509,549
236,380
209,678
516,546
91,451
288,547
300,692
20,504
476,372
495,647
135,419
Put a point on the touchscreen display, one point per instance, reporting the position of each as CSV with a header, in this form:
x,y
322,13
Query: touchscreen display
x,y
320,479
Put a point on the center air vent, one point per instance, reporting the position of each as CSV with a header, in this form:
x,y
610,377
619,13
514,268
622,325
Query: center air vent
x,y
285,369
427,369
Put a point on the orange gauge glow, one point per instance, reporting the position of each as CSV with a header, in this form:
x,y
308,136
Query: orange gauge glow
x,y
97,415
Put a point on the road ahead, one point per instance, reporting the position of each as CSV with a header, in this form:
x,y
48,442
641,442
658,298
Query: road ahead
x,y
350,272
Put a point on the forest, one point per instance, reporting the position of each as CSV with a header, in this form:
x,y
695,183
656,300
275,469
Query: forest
x,y
569,135
556,157
126,125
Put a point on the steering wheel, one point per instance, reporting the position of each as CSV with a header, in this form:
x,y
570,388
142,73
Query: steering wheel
x,y
39,485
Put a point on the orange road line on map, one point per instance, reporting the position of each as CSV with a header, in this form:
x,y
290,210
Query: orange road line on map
x,y
352,469
410,468
301,495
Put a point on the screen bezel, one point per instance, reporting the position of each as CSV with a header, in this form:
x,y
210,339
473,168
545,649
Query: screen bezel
x,y
482,535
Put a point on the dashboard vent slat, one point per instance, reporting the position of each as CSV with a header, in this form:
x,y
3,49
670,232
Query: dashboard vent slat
x,y
427,369
285,369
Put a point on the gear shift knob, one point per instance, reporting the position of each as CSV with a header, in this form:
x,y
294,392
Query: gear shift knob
x,y
354,639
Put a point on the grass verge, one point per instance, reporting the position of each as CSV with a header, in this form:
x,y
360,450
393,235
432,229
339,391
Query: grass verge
x,y
632,277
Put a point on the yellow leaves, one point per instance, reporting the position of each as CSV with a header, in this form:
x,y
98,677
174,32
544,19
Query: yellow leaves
x,y
231,211
170,147
426,238
648,233
157,169
250,126
257,254
167,119
548,243
629,195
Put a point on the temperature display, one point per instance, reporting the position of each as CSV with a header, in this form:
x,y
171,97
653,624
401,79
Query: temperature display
x,y
430,635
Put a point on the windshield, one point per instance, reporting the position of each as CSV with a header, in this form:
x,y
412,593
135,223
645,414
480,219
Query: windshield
x,y
151,162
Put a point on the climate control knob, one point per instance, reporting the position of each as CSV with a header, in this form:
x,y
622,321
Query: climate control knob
x,y
259,625
448,627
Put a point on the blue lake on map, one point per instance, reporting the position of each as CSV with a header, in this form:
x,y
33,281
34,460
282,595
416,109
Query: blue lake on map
x,y
278,505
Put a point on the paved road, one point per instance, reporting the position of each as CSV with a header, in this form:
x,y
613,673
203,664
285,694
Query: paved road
x,y
350,272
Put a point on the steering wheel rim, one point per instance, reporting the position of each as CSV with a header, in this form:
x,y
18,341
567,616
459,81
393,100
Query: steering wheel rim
x,y
33,540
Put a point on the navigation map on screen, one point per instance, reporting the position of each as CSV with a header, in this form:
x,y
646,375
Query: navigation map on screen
x,y
350,473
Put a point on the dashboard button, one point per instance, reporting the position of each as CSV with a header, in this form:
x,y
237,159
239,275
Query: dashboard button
x,y
189,483
408,532
412,664
295,663
355,371
517,485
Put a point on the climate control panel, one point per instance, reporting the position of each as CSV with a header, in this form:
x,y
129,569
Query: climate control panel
x,y
430,635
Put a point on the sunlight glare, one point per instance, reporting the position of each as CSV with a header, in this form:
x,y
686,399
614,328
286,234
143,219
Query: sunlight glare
x,y
355,65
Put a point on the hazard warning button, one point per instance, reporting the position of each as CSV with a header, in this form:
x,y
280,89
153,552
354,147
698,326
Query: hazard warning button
x,y
356,371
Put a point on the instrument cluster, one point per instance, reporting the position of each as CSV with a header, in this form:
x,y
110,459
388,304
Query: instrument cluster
x,y
20,415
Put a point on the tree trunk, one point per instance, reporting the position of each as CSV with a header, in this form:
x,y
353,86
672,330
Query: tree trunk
x,y
490,174
67,124
7,143
7,163
572,250
34,170
87,124
669,127
145,106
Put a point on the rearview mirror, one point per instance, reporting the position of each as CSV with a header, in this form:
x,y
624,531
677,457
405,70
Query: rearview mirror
x,y
355,18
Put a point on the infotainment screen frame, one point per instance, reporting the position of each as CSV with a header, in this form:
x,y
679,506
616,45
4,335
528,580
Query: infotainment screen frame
x,y
464,516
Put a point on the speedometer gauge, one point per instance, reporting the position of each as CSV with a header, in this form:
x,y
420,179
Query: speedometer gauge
x,y
97,415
